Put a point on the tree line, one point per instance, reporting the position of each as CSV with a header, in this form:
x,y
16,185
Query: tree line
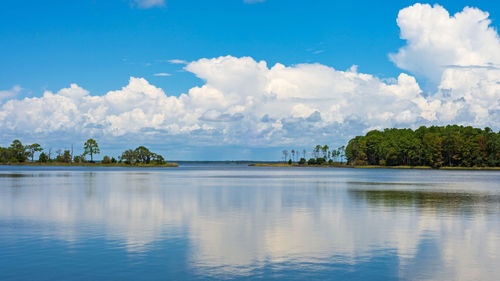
x,y
436,146
320,155
19,153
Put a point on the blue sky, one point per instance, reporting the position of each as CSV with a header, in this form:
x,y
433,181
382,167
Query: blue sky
x,y
99,45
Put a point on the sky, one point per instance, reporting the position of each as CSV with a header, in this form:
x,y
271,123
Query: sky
x,y
235,79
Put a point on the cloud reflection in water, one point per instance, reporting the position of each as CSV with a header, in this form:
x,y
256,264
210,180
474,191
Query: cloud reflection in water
x,y
236,223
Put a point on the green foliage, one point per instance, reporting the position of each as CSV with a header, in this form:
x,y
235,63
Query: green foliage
x,y
43,158
91,147
79,159
6,154
311,161
320,161
128,156
290,162
32,149
325,151
322,154
141,155
452,146
15,153
65,157
316,150
19,151
106,160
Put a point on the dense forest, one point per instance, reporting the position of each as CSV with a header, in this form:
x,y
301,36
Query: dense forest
x,y
452,146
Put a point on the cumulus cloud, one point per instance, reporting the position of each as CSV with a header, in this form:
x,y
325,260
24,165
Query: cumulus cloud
x,y
459,54
146,4
246,102
242,102
7,94
436,40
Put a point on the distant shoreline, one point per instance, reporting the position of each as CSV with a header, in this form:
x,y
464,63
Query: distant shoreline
x,y
250,164
61,164
373,167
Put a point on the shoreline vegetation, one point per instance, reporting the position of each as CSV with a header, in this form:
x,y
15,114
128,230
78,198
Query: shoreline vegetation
x,y
372,167
451,147
87,164
18,154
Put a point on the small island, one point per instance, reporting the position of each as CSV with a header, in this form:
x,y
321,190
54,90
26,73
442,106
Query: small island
x,y
451,147
19,154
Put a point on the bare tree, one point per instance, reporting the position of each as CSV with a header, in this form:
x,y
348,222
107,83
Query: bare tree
x,y
285,154
304,152
293,154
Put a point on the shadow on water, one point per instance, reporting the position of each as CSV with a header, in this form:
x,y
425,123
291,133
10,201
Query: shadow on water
x,y
447,202
15,175
389,183
34,175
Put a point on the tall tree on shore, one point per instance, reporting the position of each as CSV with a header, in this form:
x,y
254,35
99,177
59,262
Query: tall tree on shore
x,y
316,150
91,147
128,156
335,154
341,153
32,149
19,150
324,150
143,155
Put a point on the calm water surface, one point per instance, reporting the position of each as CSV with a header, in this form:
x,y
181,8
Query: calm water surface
x,y
236,222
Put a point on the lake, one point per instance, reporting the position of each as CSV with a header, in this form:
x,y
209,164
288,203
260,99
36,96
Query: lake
x,y
200,222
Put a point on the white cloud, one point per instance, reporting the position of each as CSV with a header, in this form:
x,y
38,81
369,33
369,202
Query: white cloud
x,y
459,54
436,40
7,94
253,1
278,224
246,102
162,74
146,4
177,61
297,101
